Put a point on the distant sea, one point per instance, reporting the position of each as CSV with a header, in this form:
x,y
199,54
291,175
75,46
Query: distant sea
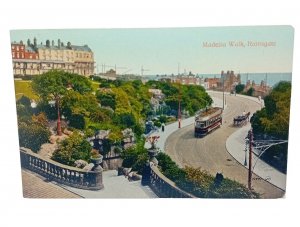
x,y
271,78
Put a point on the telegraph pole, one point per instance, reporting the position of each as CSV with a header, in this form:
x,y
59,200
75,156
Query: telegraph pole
x,y
250,135
222,74
179,107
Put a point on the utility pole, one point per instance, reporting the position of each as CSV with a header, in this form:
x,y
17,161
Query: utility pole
x,y
222,74
250,137
179,106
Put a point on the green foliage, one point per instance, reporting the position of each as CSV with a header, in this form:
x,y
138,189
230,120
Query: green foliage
x,y
101,115
55,83
50,111
104,84
200,183
77,121
250,91
127,120
163,118
205,186
107,99
32,135
25,101
273,120
24,110
135,157
71,149
75,103
239,88
157,124
193,97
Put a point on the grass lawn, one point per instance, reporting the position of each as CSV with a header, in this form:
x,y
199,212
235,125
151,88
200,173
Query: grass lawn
x,y
24,88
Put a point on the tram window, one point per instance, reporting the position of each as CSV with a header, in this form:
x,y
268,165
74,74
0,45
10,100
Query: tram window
x,y
202,125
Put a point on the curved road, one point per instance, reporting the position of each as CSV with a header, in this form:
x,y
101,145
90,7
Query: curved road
x,y
210,152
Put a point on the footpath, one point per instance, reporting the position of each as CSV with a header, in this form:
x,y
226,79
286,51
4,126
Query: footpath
x,y
235,145
115,187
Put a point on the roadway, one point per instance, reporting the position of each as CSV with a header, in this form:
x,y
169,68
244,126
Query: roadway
x,y
210,154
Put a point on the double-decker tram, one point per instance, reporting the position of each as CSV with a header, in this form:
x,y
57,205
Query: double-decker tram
x,y
207,121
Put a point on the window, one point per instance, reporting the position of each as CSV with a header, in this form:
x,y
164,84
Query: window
x,y
22,48
18,55
13,47
17,48
22,55
13,54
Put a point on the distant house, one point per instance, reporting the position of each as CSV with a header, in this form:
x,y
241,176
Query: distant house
x,y
261,89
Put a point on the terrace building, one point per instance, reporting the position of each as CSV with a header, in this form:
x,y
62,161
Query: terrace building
x,y
34,59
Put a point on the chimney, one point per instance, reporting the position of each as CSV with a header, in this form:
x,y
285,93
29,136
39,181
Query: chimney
x,y
47,43
62,44
58,43
69,45
28,42
21,42
53,43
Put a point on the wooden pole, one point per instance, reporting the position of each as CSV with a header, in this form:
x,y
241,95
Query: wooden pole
x,y
250,160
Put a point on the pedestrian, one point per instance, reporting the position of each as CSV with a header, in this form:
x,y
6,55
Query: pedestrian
x,y
163,127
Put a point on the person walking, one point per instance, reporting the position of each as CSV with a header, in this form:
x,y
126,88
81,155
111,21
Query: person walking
x,y
163,127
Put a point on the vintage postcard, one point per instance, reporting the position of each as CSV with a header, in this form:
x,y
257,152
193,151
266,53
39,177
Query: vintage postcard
x,y
153,113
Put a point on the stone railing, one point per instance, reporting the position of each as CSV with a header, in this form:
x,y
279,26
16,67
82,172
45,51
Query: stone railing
x,y
164,187
71,176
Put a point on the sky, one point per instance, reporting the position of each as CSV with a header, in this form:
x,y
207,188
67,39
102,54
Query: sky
x,y
173,50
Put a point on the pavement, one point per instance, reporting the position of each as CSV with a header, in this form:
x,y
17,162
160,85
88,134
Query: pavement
x,y
235,145
35,186
116,187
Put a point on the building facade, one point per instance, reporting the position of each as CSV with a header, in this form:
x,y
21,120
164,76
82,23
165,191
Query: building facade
x,y
34,59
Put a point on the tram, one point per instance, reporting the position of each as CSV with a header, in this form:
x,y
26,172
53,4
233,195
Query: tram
x,y
207,121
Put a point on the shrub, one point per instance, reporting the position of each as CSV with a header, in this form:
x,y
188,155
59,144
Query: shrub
x,y
71,149
32,135
135,157
200,183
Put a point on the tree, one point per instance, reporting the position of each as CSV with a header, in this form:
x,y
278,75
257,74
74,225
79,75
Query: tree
x,y
75,103
107,99
54,84
71,149
239,88
273,121
250,91
77,121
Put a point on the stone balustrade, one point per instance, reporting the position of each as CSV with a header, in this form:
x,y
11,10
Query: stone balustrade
x,y
68,175
164,187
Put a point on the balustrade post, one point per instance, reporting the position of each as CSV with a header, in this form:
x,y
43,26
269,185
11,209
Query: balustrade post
x,y
98,174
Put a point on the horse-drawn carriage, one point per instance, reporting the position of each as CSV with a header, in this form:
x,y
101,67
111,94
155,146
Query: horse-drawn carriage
x,y
241,119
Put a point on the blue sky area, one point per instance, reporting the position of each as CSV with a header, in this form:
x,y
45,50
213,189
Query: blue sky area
x,y
161,49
